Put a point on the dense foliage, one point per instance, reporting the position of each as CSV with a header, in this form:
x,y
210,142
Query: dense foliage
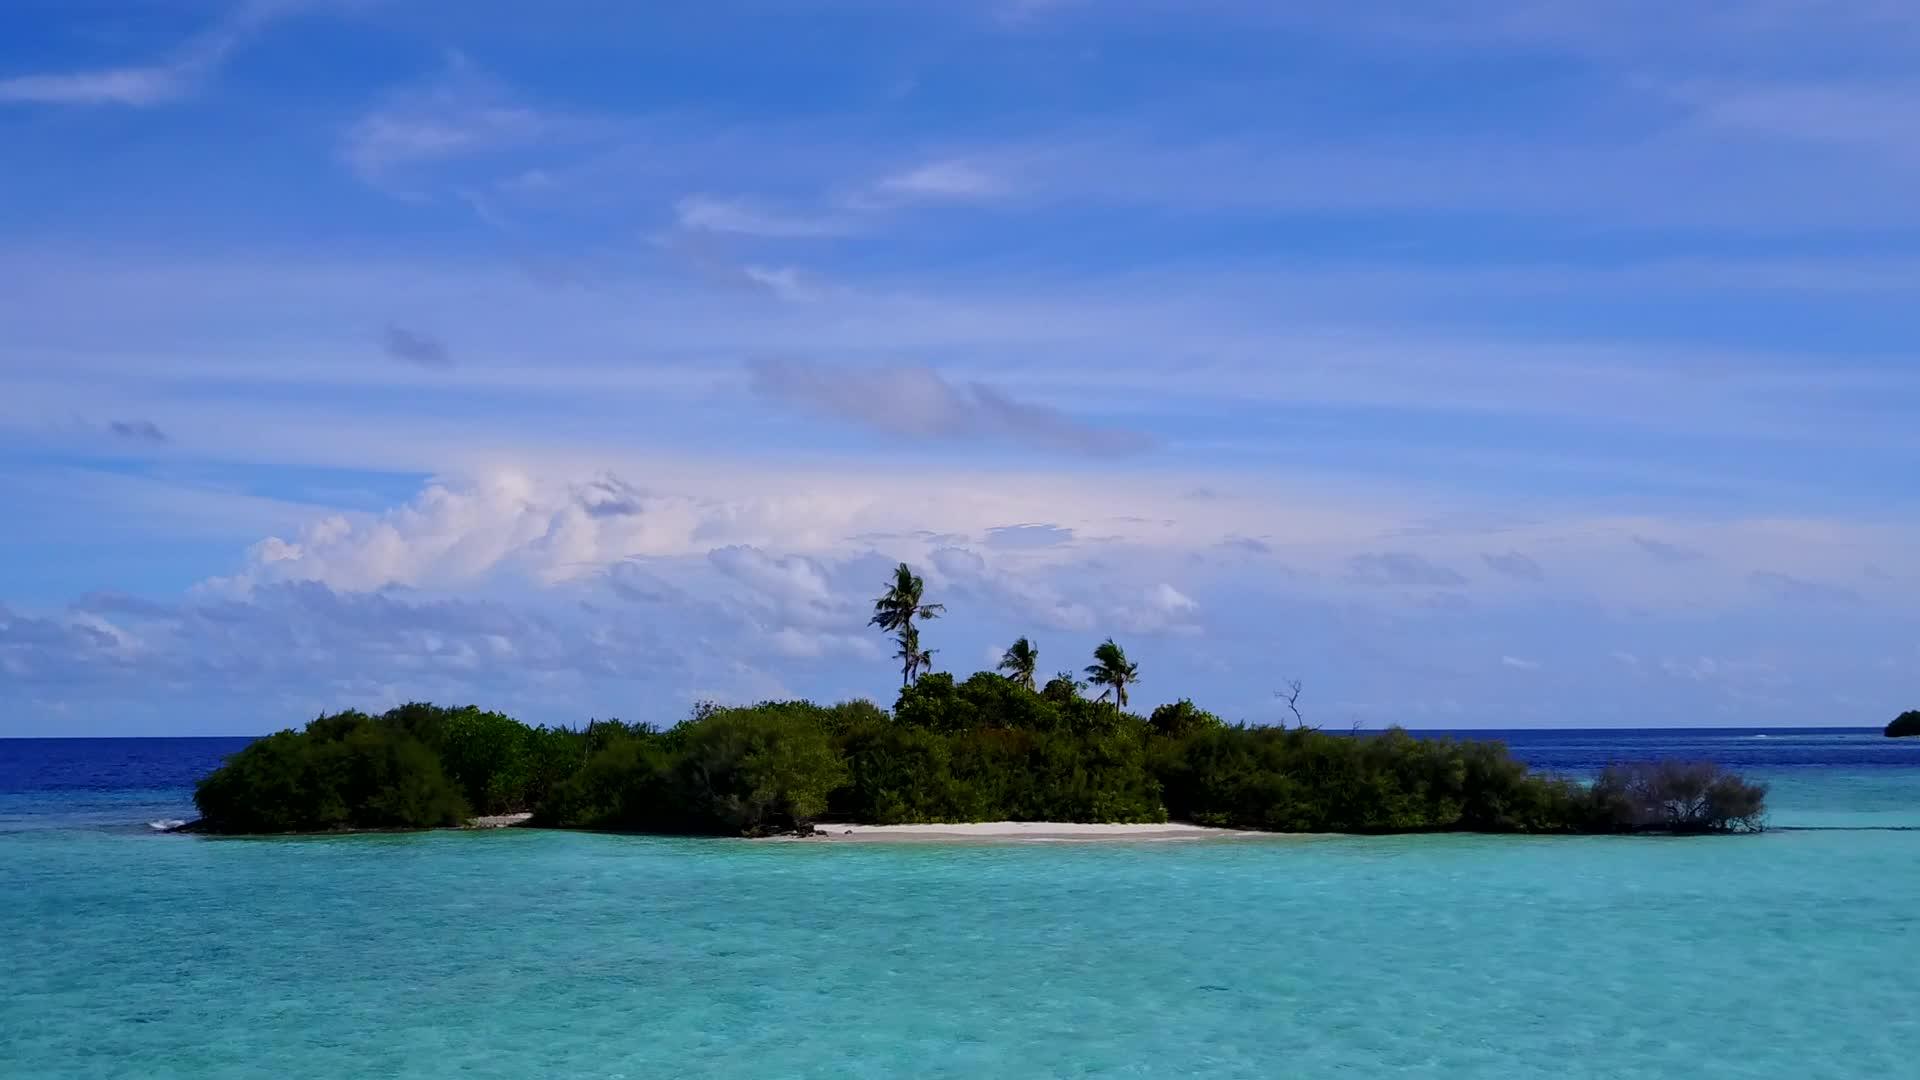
x,y
348,771
984,749
1906,725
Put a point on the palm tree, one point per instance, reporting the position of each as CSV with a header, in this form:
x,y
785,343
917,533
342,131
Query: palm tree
x,y
1112,669
894,612
911,656
1019,662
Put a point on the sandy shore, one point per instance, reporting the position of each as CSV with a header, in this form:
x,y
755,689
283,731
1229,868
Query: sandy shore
x,y
1020,831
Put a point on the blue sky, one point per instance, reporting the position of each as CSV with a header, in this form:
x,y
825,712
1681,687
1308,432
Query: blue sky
x,y
1478,363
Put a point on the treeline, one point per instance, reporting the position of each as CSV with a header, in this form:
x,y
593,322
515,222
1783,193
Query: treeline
x,y
992,748
989,748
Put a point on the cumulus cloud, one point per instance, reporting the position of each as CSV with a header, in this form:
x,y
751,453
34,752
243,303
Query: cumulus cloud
x,y
1035,600
444,536
1399,568
608,496
1077,601
916,401
1515,565
307,634
1163,609
635,583
413,347
797,590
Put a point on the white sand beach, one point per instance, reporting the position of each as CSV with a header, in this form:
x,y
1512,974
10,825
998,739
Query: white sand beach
x,y
1022,831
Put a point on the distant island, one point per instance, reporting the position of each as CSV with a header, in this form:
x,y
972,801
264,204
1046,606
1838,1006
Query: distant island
x,y
1904,726
994,747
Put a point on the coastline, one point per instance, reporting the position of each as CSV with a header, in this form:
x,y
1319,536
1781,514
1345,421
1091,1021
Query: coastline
x,y
1018,832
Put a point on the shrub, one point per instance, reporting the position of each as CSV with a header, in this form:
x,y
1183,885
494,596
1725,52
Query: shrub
x,y
753,770
1300,780
489,756
1181,718
346,771
1677,797
984,749
627,785
897,775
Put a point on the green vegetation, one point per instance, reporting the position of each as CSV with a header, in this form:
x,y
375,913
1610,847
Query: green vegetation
x,y
347,771
1675,797
894,613
1019,662
984,749
1111,669
1906,725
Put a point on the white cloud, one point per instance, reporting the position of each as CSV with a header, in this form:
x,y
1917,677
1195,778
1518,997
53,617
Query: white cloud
x,y
138,87
941,181
784,282
794,642
1519,664
460,113
1164,609
712,214
916,401
143,86
793,589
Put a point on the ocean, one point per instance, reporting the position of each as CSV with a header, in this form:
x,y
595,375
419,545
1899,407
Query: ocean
x,y
521,954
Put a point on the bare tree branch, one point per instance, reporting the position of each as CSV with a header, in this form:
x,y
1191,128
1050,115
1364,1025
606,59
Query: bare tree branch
x,y
1291,695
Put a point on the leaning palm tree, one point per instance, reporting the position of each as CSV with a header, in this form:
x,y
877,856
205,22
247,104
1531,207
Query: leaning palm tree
x,y
1112,669
1019,661
894,612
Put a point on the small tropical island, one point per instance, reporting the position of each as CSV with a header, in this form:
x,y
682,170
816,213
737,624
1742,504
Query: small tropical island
x,y
999,746
1905,726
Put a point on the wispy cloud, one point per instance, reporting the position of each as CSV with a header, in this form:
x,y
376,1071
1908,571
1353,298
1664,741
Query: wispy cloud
x,y
1668,552
1514,564
1400,568
461,112
138,431
413,347
940,181
916,401
145,85
1028,536
1800,592
709,213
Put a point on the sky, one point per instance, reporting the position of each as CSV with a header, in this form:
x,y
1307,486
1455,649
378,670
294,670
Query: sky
x,y
1476,363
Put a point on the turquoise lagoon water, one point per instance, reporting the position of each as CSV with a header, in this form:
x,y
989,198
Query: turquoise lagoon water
x,y
531,954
